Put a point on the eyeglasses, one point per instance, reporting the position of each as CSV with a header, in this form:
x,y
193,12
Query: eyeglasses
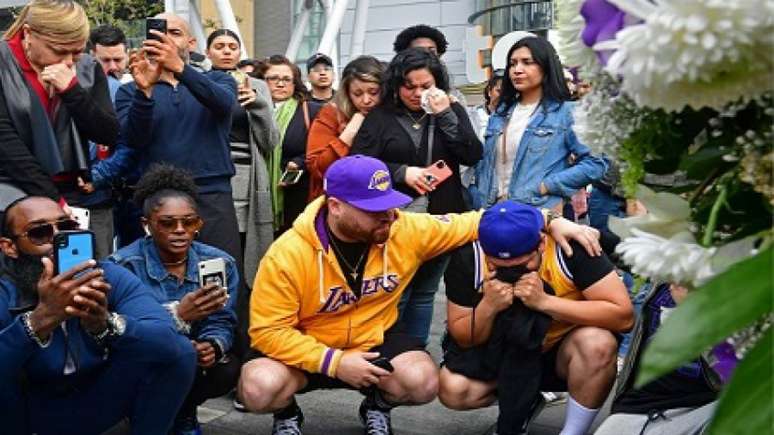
x,y
42,234
169,224
277,79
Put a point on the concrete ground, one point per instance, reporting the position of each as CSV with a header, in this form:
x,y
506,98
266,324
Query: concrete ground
x,y
334,412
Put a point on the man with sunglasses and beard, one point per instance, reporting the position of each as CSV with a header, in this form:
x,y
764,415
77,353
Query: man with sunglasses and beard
x,y
85,348
324,306
524,317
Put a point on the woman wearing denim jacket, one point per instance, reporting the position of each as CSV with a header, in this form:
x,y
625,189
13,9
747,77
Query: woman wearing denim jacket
x,y
531,154
166,261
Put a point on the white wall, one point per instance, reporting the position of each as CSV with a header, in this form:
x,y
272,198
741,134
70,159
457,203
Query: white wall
x,y
386,18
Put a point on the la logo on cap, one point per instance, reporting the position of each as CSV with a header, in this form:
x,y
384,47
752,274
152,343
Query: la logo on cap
x,y
380,180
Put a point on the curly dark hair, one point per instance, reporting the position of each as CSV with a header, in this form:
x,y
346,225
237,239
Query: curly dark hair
x,y
163,181
404,38
403,63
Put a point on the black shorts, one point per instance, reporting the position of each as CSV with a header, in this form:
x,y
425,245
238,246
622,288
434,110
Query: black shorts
x,y
396,342
470,363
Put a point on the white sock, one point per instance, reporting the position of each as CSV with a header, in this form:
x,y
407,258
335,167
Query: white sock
x,y
578,418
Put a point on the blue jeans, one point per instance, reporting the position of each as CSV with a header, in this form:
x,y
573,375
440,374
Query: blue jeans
x,y
603,205
637,301
416,304
149,394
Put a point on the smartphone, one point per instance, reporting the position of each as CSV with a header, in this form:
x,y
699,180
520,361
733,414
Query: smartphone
x,y
291,176
72,248
212,272
159,24
383,363
240,77
439,171
81,215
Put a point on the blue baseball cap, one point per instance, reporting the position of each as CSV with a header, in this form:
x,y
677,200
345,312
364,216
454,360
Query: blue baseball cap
x,y
509,229
363,182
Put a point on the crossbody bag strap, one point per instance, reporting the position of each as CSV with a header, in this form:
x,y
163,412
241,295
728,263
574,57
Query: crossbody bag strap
x,y
305,109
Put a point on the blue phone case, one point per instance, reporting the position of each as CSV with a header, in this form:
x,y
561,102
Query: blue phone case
x,y
72,248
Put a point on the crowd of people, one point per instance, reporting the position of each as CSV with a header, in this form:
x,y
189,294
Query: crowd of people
x,y
335,214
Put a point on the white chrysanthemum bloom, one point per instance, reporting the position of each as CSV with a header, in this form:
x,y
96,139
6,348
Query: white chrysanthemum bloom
x,y
570,25
678,260
604,117
699,53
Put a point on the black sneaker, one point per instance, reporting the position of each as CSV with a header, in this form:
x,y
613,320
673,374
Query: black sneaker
x,y
376,421
534,410
288,426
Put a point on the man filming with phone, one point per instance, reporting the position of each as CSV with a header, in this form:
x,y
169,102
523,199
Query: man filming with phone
x,y
524,317
84,348
174,114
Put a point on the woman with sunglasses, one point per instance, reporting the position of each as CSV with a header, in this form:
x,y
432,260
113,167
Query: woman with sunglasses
x,y
293,114
167,261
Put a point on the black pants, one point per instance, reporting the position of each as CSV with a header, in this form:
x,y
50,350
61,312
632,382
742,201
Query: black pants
x,y
212,382
222,231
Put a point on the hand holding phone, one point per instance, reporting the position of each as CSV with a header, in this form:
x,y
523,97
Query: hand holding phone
x,y
290,176
199,304
72,248
437,173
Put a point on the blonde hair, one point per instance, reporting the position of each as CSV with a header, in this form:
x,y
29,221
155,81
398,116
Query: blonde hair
x,y
364,68
57,21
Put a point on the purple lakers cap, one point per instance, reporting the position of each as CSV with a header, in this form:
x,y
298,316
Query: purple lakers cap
x,y
509,229
363,182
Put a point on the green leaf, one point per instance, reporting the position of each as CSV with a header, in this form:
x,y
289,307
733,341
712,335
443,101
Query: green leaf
x,y
700,164
745,405
731,301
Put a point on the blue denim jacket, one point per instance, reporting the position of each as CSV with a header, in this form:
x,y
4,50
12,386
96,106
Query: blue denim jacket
x,y
542,156
142,258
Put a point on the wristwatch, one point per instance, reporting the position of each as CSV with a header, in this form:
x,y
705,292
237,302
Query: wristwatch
x,y
116,325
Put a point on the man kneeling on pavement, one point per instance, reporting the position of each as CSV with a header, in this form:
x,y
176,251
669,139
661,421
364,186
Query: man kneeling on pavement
x,y
324,304
83,349
524,317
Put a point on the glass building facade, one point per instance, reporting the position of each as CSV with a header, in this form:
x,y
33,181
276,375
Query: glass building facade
x,y
499,17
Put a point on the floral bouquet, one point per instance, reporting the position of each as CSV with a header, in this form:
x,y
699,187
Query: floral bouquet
x,y
682,94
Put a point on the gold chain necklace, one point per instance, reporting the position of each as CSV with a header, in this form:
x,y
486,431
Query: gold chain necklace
x,y
416,125
353,270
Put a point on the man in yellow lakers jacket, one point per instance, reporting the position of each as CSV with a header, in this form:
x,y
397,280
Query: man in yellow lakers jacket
x,y
523,317
324,302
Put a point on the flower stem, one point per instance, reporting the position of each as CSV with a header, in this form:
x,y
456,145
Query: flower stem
x,y
712,222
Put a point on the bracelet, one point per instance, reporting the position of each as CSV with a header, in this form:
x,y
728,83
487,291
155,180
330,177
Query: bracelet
x,y
181,325
25,318
550,215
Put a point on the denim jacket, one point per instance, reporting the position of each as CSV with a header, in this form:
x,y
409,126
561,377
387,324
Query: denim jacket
x,y
542,156
142,258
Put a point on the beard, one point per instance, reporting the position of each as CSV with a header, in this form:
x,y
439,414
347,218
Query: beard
x,y
352,230
25,272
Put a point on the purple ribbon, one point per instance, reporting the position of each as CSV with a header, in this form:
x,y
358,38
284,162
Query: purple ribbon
x,y
603,21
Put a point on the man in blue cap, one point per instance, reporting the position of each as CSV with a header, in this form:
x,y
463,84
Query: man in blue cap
x,y
525,317
324,307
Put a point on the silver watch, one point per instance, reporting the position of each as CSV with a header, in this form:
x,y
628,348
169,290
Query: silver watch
x,y
116,325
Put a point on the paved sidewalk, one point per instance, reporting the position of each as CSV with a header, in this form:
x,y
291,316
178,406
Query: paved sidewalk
x,y
334,412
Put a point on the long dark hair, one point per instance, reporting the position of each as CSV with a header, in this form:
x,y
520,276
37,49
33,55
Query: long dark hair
x,y
411,59
300,92
554,87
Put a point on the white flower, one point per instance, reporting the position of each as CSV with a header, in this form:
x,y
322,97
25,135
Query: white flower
x,y
699,53
604,117
678,260
668,215
569,25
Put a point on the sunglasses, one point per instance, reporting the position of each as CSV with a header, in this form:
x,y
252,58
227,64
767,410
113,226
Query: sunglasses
x,y
189,223
44,233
